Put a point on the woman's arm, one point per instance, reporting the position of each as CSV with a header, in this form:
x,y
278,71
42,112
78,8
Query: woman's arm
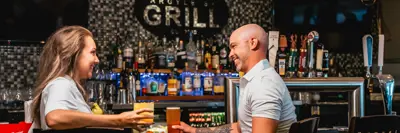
x,y
68,119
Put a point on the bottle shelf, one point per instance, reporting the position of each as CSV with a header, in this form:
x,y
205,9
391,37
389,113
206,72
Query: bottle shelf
x,y
118,70
163,105
181,98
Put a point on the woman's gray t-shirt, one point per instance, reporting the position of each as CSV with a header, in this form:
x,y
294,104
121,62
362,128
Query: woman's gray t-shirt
x,y
61,93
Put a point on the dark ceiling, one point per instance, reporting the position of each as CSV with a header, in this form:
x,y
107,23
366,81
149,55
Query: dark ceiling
x,y
35,20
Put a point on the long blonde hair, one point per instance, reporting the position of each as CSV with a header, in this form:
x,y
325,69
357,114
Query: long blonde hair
x,y
59,58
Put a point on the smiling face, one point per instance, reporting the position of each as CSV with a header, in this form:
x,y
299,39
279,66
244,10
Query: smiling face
x,y
240,52
87,59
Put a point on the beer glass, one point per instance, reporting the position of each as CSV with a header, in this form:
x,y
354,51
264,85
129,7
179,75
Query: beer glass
x,y
141,105
173,118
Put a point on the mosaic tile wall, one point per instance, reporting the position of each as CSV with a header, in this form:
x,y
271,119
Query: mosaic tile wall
x,y
107,17
18,67
18,63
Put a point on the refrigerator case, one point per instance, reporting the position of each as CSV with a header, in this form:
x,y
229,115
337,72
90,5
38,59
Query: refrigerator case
x,y
340,99
232,93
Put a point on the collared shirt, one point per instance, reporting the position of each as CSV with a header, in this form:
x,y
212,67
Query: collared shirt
x,y
60,93
263,93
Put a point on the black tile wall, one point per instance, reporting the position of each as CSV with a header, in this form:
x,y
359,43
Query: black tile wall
x,y
107,17
18,65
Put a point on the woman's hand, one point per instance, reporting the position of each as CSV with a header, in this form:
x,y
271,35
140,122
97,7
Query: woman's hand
x,y
135,120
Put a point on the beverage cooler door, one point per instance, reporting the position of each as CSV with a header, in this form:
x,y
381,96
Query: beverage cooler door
x,y
231,99
204,117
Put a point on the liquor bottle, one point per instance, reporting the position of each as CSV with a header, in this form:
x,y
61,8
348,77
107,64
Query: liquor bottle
x,y
152,83
137,79
150,49
325,63
187,88
160,54
207,55
162,84
181,56
215,55
178,77
171,56
219,81
128,56
199,53
123,90
332,68
319,57
292,56
198,90
125,75
173,84
143,81
208,81
303,57
140,56
223,54
282,56
191,52
119,59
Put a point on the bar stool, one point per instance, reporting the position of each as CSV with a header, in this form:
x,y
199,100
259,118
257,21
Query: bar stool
x,y
375,124
309,125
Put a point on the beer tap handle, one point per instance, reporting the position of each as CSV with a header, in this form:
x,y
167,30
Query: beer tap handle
x,y
273,46
313,37
381,53
367,52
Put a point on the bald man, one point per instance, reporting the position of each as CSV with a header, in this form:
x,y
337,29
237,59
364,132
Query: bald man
x,y
265,105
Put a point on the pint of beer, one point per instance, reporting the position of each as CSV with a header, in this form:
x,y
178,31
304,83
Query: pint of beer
x,y
149,105
173,118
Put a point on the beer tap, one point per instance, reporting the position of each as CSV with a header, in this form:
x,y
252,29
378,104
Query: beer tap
x,y
303,56
313,37
386,81
367,41
292,56
273,38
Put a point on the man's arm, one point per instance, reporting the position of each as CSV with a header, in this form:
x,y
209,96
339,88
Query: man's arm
x,y
228,128
264,125
266,105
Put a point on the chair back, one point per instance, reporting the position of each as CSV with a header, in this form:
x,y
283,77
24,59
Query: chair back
x,y
309,125
375,124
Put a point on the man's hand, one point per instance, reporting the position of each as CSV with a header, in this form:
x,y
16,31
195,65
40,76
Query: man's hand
x,y
185,128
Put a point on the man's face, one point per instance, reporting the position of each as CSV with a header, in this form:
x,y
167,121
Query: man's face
x,y
240,51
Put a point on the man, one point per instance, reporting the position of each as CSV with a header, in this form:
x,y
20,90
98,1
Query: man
x,y
265,105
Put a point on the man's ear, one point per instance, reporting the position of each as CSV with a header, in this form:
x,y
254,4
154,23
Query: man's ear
x,y
254,43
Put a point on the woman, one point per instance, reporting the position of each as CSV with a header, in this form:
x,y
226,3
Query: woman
x,y
60,101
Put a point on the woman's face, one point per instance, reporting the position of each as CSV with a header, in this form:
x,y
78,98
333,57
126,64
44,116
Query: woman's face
x,y
87,59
